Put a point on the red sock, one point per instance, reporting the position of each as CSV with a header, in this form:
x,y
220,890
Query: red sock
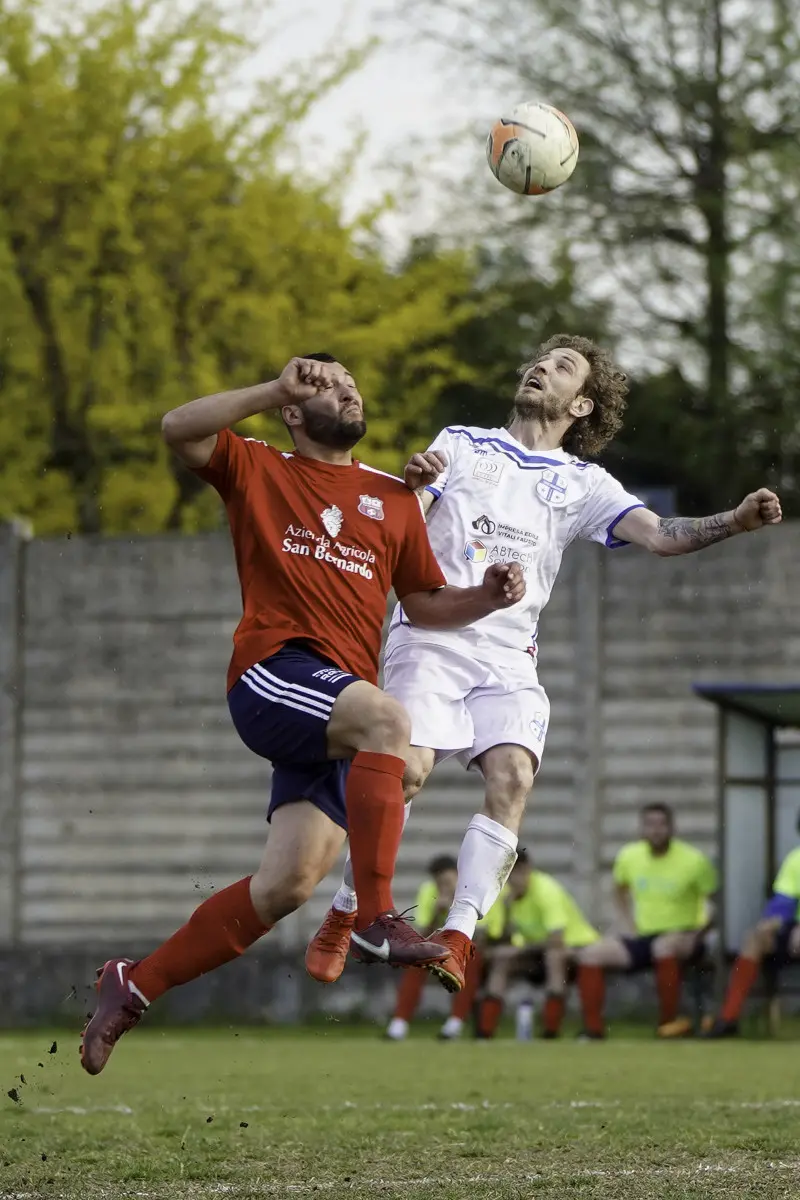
x,y
489,1014
668,985
218,931
743,975
592,989
409,992
553,1014
375,810
464,1000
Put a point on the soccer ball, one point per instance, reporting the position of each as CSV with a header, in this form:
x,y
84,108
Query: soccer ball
x,y
533,150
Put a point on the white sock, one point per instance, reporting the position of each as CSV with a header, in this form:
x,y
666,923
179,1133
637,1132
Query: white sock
x,y
397,1029
487,854
345,899
452,1028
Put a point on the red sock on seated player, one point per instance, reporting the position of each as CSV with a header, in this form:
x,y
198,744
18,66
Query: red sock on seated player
x,y
553,1015
743,978
592,990
668,986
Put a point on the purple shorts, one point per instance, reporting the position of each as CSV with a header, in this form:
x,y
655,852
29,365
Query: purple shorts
x,y
280,709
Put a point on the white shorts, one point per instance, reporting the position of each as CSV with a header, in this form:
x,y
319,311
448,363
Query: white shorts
x,y
461,707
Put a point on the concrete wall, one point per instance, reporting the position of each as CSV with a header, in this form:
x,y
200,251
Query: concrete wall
x,y
125,793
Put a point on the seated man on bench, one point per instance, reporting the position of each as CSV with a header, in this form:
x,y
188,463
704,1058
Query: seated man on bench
x,y
663,891
776,937
534,931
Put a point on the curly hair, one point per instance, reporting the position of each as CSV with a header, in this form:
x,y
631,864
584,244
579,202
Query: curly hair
x,y
606,386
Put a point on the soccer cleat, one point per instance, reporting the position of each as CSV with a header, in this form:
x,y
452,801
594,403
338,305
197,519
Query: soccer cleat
x,y
394,941
326,953
721,1029
681,1027
451,971
120,1006
451,1030
587,1035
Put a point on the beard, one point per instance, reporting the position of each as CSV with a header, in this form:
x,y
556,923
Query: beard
x,y
532,403
335,432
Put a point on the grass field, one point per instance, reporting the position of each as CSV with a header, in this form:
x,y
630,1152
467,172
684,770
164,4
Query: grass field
x,y
260,1113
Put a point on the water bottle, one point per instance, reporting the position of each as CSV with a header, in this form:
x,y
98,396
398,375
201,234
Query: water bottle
x,y
525,1015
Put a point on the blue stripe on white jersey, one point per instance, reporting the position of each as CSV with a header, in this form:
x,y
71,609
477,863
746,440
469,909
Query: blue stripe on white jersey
x,y
529,462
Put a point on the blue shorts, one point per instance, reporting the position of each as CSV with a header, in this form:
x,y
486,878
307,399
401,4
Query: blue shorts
x,y
641,951
780,955
280,709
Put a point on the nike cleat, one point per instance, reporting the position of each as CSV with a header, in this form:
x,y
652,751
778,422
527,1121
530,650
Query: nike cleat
x,y
327,951
394,941
120,1006
451,971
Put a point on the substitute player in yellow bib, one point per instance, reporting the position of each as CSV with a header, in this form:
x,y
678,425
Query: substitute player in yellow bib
x,y
777,935
663,890
534,919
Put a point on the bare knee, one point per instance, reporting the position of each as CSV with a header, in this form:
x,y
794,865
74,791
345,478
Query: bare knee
x,y
589,956
666,946
509,773
365,718
276,896
385,727
759,943
419,764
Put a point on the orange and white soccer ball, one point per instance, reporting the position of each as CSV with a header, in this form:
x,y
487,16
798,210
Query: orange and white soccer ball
x,y
533,150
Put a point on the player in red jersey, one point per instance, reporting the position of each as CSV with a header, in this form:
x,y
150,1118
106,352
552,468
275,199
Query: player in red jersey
x,y
320,539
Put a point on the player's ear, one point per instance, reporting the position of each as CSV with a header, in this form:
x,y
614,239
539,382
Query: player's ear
x,y
581,407
292,415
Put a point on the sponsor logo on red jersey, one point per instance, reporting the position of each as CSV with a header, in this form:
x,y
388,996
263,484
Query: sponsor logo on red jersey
x,y
332,519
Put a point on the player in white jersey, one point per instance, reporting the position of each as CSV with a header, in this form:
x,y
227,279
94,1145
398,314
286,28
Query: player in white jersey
x,y
517,494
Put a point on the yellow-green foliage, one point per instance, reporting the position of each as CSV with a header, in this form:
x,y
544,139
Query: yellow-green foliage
x,y
153,249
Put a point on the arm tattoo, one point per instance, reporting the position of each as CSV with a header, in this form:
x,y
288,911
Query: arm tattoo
x,y
694,533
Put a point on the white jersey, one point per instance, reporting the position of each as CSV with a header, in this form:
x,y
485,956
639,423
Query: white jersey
x,y
499,502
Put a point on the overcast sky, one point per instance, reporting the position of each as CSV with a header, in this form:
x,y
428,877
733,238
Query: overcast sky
x,y
400,95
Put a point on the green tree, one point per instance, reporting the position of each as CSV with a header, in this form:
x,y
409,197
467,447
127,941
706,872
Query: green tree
x,y
152,249
683,201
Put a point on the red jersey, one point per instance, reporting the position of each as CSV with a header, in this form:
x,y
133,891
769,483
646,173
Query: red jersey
x,y
318,548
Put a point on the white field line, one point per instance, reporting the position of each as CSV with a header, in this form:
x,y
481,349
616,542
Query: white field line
x,y
454,1106
75,1110
702,1170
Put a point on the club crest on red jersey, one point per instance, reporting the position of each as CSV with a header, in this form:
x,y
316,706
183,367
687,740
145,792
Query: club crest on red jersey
x,y
332,519
371,506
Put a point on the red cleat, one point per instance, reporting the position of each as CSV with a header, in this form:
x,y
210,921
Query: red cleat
x,y
392,940
120,1006
327,951
451,971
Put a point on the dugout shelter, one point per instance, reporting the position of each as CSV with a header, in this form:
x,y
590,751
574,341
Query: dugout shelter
x,y
758,794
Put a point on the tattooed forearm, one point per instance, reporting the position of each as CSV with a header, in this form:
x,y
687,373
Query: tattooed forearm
x,y
694,533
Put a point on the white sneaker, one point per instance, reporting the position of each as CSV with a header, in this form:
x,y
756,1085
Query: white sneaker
x,y
451,1029
397,1029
